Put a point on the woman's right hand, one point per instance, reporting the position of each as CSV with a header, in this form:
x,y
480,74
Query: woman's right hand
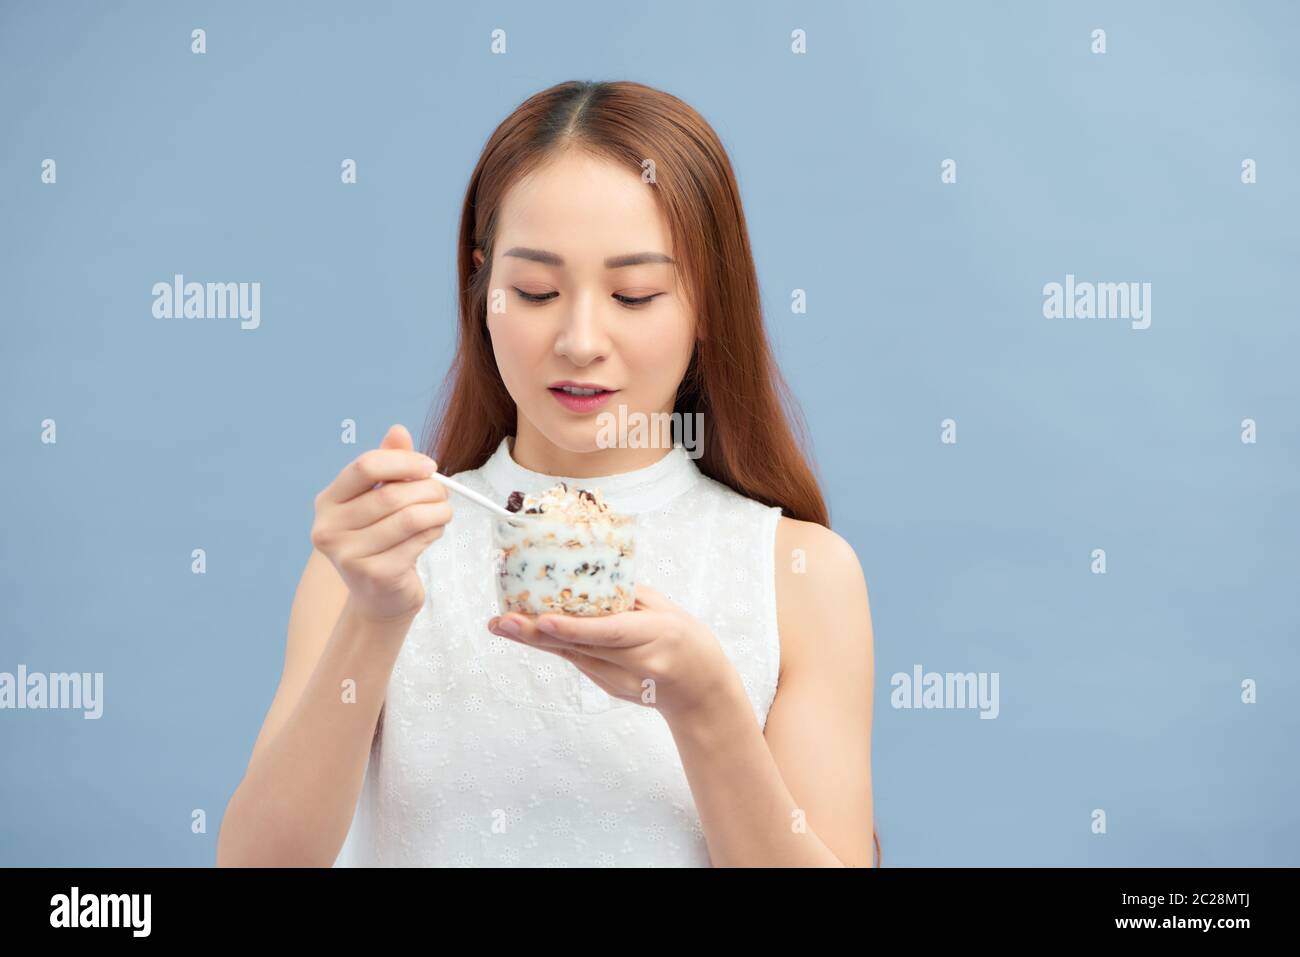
x,y
373,535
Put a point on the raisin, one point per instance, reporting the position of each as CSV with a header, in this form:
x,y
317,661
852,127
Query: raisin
x,y
532,511
516,502
587,495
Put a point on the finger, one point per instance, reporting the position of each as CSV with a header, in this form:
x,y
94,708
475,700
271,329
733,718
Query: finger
x,y
405,553
526,632
609,678
625,629
370,507
609,675
651,598
397,437
402,557
395,529
378,465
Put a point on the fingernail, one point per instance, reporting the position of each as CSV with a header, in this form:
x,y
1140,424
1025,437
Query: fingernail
x,y
546,625
508,627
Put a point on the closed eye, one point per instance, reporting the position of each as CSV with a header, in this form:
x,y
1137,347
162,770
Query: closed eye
x,y
544,297
633,301
629,301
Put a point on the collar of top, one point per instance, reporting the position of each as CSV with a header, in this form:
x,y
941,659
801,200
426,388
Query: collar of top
x,y
641,490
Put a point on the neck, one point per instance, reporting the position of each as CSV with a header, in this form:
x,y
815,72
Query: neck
x,y
536,452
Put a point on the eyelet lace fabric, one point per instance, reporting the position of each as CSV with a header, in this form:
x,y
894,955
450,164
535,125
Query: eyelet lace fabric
x,y
492,753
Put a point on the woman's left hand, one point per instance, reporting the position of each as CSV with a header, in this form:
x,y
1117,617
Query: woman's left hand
x,y
656,654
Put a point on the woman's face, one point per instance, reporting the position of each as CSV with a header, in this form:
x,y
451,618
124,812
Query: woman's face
x,y
564,305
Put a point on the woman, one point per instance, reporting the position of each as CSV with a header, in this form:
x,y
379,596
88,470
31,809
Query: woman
x,y
602,246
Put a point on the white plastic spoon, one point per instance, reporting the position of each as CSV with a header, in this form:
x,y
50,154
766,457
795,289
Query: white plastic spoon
x,y
515,518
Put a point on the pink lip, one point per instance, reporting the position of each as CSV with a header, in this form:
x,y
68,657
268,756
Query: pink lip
x,y
580,385
580,403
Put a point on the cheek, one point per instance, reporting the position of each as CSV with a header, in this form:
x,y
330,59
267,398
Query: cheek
x,y
519,346
660,353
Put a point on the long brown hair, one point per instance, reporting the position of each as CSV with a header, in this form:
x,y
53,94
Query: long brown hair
x,y
754,433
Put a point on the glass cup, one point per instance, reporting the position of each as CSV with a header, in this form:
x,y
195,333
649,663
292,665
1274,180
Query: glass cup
x,y
549,564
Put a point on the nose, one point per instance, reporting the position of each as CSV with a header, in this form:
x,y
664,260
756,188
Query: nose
x,y
582,338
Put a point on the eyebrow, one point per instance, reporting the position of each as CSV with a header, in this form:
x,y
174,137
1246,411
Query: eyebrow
x,y
613,262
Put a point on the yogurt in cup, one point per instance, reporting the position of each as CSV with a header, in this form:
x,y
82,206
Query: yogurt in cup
x,y
573,555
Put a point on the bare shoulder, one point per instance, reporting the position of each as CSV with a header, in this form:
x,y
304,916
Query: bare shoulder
x,y
814,563
821,593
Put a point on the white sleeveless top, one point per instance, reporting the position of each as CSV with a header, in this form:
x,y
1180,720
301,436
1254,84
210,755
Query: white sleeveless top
x,y
492,753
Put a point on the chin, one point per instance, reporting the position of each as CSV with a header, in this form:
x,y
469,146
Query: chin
x,y
577,436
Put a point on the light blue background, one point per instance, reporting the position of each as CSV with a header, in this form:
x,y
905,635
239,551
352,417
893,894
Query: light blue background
x,y
1119,692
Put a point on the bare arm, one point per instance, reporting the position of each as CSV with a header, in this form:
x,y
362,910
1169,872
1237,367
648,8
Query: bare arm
x,y
296,801
819,728
798,792
358,595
